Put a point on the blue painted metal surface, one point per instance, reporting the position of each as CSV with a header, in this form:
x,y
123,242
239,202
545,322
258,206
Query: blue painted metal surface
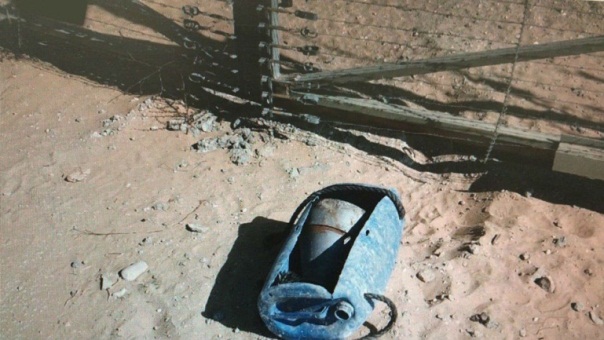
x,y
294,308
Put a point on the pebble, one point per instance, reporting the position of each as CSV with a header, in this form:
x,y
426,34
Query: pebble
x,y
545,283
576,306
595,318
134,270
196,228
174,125
160,206
77,176
522,333
525,256
560,241
146,241
120,293
76,264
484,319
107,281
472,248
293,172
426,275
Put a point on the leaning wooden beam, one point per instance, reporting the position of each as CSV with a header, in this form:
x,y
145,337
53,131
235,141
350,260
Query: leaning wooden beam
x,y
575,155
452,62
441,120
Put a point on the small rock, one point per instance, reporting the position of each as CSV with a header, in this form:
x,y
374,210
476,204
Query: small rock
x,y
596,318
525,256
560,241
426,275
134,270
77,176
206,145
576,306
310,119
522,333
240,156
107,281
76,264
588,271
174,124
120,293
545,283
293,172
146,241
495,239
484,319
196,228
471,248
547,252
160,206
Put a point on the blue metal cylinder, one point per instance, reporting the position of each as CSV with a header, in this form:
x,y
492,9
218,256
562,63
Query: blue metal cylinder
x,y
317,287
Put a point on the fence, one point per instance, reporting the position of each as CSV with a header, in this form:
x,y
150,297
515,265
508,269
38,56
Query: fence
x,y
520,74
517,78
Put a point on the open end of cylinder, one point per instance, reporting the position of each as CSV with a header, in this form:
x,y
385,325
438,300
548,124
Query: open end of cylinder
x,y
343,311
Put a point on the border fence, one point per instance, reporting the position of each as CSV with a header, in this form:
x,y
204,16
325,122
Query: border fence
x,y
522,78
517,79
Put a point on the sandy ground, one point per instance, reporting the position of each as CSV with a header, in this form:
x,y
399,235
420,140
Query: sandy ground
x,y
91,181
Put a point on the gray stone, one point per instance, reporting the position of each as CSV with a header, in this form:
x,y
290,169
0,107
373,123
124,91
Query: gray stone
x,y
576,306
174,124
546,283
293,172
595,318
160,206
196,228
77,176
133,271
107,281
426,275
241,156
560,241
120,293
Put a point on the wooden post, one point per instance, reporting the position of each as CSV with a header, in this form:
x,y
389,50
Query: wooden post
x,y
453,62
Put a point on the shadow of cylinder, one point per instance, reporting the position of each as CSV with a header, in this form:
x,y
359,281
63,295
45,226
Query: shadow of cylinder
x,y
232,301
